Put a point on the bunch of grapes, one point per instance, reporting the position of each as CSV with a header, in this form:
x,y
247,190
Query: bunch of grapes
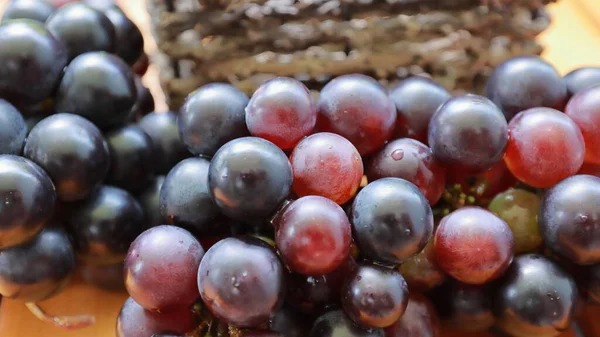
x,y
355,211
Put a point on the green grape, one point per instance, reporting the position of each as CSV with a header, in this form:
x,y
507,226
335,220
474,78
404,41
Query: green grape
x,y
420,272
519,208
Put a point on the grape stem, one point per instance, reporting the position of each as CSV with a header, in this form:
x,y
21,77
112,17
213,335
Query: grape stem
x,y
64,322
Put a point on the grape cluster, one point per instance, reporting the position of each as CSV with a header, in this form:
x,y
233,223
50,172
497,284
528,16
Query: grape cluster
x,y
355,211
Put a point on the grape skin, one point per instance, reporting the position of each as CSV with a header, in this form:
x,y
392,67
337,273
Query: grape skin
x,y
134,321
569,219
154,259
130,41
313,236
241,281
584,110
28,198
419,320
13,129
545,147
581,79
473,245
337,323
212,116
421,272
37,269
150,201
38,10
328,165
282,111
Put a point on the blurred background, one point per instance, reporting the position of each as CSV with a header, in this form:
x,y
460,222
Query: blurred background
x,y
572,41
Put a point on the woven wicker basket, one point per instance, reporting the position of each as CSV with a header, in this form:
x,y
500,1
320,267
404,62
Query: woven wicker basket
x,y
456,42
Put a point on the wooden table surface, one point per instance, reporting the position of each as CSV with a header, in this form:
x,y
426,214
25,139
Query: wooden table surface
x,y
573,41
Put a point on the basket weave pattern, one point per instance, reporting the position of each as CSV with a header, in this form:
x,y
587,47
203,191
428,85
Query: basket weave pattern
x,y
456,42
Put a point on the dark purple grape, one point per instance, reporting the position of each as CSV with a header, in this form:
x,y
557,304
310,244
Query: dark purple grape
x,y
375,296
38,269
162,128
463,306
107,277
249,178
185,199
211,116
468,133
31,61
313,235
130,41
131,158
105,224
38,10
581,79
391,220
289,323
525,82
241,281
145,101
419,320
309,294
13,129
28,198
72,151
161,268
337,324
358,108
416,99
100,87
134,321
535,296
82,29
570,218
150,201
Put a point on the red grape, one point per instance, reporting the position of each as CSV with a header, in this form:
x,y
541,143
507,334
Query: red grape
x,y
545,147
327,165
134,321
419,320
358,108
375,296
416,99
584,109
161,268
473,245
411,160
313,236
281,111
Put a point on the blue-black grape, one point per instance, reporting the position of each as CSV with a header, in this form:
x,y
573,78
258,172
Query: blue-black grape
x,y
211,116
468,133
131,158
241,281
416,99
185,199
72,151
581,79
375,296
463,306
31,61
525,82
38,10
535,297
13,129
28,198
337,324
38,269
150,201
249,178
105,224
100,87
570,218
145,101
108,277
391,220
82,29
162,129
161,269
130,41
309,294
134,321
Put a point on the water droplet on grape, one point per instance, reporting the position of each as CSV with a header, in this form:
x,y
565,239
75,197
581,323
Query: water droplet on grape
x,y
407,231
398,154
582,218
